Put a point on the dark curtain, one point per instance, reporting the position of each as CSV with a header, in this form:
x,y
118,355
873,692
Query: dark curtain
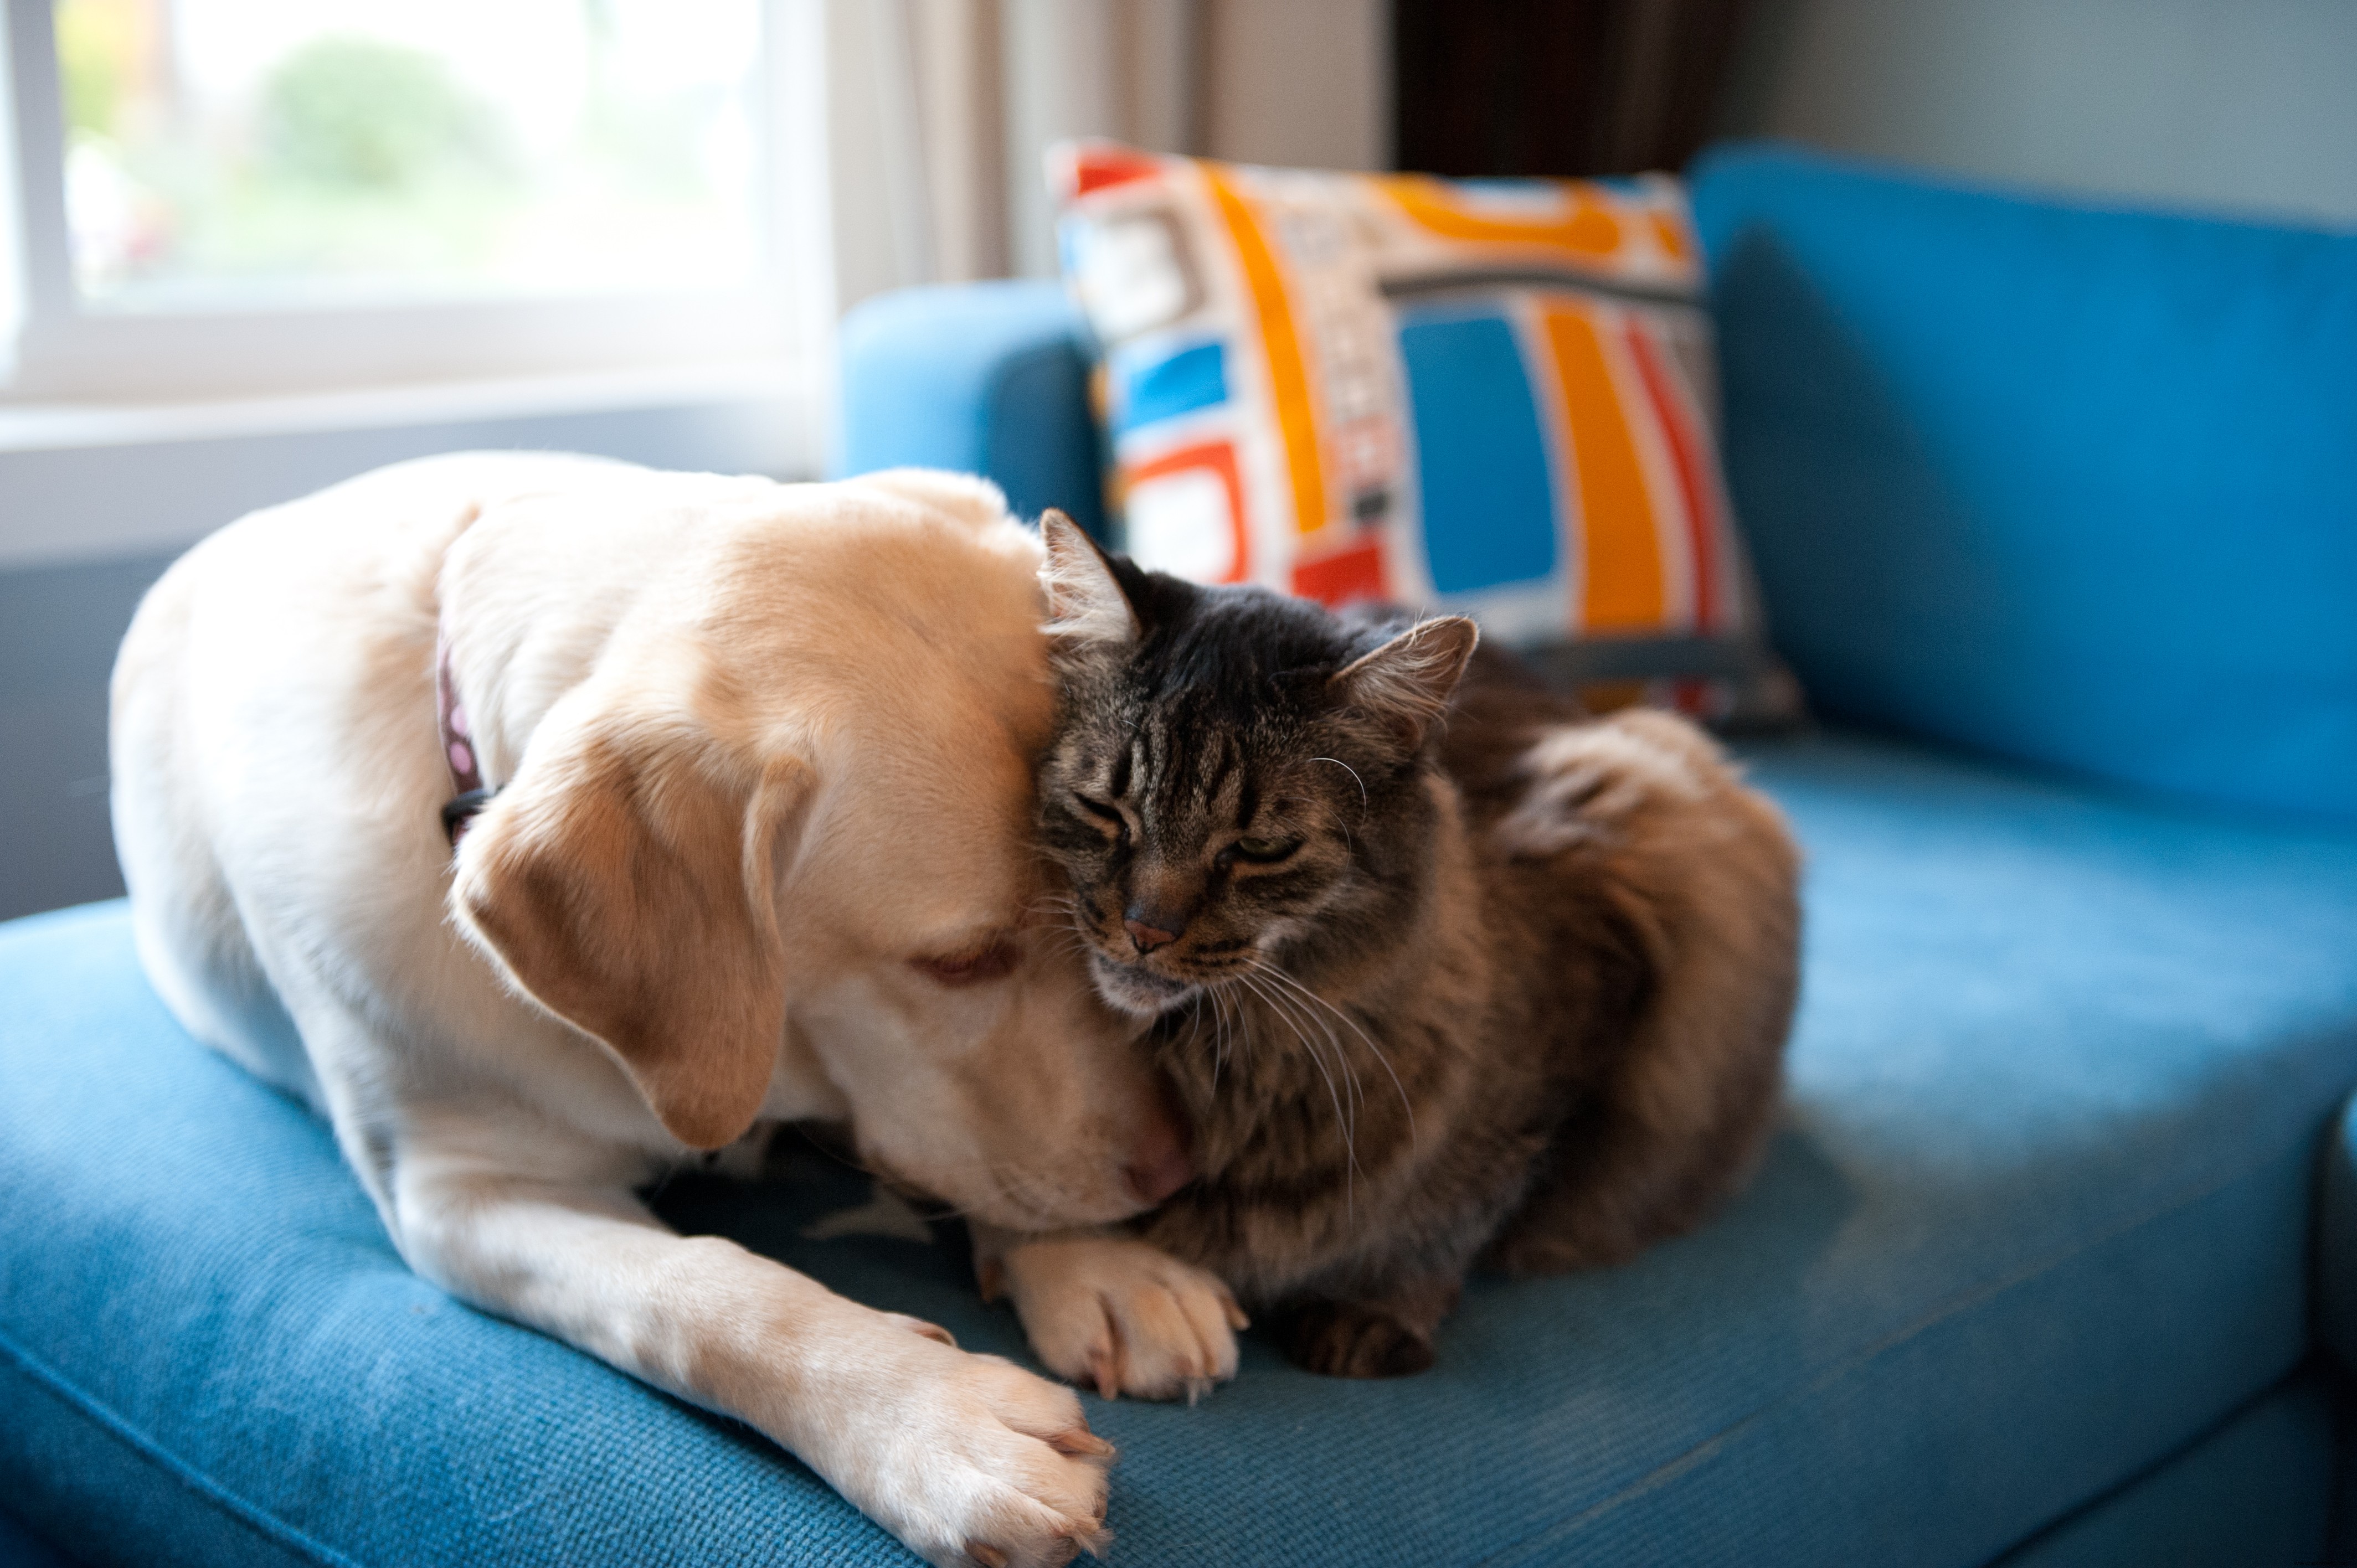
x,y
1557,87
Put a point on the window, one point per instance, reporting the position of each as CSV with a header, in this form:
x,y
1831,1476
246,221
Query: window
x,y
228,196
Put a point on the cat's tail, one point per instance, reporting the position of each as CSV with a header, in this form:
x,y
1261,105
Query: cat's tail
x,y
1644,809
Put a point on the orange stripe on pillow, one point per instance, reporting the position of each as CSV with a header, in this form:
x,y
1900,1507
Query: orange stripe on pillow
x,y
1587,230
1620,557
1289,380
1685,447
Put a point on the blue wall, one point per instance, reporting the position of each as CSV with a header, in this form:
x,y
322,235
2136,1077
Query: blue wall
x,y
2226,105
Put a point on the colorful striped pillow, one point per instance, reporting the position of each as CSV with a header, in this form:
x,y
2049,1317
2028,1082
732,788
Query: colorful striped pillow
x,y
1491,397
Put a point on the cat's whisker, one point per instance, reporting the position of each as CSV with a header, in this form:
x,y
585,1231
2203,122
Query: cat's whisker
x,y
1354,778
1240,1032
1293,981
1341,1058
1342,1123
1219,1035
1195,1029
1354,1092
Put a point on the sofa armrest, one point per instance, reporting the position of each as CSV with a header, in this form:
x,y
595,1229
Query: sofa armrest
x,y
2336,1241
986,378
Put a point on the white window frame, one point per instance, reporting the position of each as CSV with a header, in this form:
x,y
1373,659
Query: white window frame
x,y
61,351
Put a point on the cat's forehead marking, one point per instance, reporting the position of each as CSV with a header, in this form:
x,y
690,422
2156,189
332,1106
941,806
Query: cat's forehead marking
x,y
1145,753
1162,789
1120,769
1223,797
1176,769
1247,801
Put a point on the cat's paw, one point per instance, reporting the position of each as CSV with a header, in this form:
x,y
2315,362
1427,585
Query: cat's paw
x,y
1554,1237
1350,1339
1120,1316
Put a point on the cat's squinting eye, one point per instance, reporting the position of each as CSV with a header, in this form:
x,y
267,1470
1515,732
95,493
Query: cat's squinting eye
x,y
1103,811
1263,851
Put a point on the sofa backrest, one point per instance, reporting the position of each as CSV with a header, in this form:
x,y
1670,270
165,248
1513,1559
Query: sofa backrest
x,y
986,378
2073,485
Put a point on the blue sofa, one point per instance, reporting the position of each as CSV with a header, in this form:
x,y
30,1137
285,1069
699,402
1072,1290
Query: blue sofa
x,y
2053,1260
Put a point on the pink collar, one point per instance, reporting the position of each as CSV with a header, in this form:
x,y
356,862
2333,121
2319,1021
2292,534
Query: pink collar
x,y
468,794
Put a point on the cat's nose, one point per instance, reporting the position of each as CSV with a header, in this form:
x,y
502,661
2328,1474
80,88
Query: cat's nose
x,y
1145,938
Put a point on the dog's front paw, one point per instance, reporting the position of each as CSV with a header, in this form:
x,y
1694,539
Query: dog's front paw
x,y
1122,1317
970,1459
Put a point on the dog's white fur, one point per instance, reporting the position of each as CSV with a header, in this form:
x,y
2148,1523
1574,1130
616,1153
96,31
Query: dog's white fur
x,y
762,751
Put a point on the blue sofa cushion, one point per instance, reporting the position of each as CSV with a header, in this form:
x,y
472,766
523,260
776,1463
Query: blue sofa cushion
x,y
2337,1243
2038,1216
983,378
2076,487
2250,1491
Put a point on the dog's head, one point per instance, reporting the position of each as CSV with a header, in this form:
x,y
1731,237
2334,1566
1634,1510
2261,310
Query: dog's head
x,y
783,832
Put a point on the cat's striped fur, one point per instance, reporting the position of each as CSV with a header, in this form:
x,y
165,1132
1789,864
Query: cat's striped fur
x,y
1438,965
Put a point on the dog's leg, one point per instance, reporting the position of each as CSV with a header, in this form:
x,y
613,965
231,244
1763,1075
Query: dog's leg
x,y
1106,1310
967,1458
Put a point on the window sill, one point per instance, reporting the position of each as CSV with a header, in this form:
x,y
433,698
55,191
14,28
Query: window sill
x,y
90,481
63,425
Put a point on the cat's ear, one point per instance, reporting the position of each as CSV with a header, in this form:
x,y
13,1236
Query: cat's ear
x,y
1086,607
1408,681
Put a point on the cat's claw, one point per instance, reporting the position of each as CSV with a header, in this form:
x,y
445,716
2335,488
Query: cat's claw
x,y
1123,1317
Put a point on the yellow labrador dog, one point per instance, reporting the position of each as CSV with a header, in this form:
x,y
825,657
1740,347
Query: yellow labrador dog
x,y
741,835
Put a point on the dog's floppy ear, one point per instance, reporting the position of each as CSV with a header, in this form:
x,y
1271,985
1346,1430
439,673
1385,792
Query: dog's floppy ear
x,y
628,887
1086,607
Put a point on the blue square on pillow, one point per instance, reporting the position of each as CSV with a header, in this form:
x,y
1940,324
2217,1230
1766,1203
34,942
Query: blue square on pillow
x,y
1482,460
1155,384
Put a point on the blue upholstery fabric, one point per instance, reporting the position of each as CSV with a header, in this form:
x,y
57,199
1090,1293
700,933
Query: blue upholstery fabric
x,y
2075,487
985,378
2256,1491
2038,1219
2337,1242
19,1548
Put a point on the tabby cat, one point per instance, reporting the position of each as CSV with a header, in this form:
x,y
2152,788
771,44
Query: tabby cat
x,y
1439,968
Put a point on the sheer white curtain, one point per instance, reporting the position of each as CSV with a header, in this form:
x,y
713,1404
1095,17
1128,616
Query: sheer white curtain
x,y
938,112
941,109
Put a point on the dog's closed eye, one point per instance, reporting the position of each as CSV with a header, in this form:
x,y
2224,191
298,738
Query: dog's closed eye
x,y
995,961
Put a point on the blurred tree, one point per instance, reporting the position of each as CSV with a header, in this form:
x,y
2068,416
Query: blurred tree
x,y
107,51
364,115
